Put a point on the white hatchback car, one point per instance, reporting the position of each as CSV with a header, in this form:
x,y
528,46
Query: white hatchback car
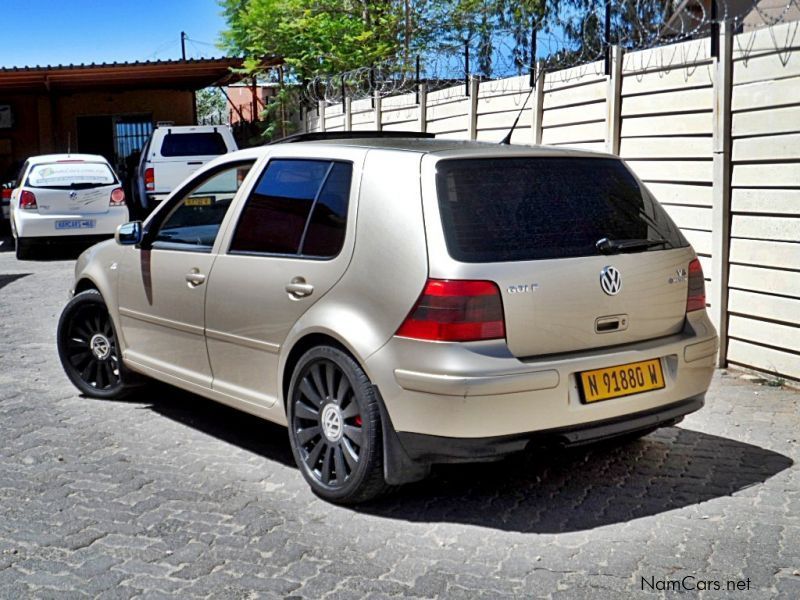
x,y
60,196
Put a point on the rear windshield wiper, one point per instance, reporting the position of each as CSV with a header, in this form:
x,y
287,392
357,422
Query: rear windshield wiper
x,y
607,246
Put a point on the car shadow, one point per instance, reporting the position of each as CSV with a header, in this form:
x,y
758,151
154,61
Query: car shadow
x,y
539,491
557,491
222,422
5,279
48,252
56,252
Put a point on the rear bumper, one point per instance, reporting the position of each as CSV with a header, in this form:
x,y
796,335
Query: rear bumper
x,y
438,449
31,224
77,240
478,391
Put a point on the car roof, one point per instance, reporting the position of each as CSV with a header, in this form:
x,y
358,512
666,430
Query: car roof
x,y
49,158
190,128
441,148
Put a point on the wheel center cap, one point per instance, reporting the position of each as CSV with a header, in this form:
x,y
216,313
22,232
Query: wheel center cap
x,y
100,346
332,423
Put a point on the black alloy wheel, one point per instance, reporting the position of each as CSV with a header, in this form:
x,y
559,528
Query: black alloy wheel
x,y
88,348
334,427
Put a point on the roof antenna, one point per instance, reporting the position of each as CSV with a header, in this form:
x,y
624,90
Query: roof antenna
x,y
507,140
69,142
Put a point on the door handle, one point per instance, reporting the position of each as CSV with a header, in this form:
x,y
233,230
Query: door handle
x,y
195,278
298,288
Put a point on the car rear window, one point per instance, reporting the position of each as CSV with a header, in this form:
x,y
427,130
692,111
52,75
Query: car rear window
x,y
193,144
513,209
71,174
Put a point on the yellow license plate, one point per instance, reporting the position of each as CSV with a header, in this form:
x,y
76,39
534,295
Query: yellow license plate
x,y
622,380
199,201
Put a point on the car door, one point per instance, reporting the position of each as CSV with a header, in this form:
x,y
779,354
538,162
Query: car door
x,y
162,284
291,242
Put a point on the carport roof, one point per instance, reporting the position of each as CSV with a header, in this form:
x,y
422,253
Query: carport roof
x,y
191,74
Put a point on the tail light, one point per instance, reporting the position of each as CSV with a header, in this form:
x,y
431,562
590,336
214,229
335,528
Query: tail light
x,y
149,180
456,311
696,299
6,194
117,197
27,200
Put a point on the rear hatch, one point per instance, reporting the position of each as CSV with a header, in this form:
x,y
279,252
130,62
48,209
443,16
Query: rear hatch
x,y
535,225
72,187
181,154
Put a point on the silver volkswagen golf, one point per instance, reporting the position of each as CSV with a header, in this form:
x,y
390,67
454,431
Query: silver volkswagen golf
x,y
401,301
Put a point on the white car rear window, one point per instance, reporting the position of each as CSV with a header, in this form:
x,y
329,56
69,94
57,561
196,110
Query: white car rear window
x,y
65,174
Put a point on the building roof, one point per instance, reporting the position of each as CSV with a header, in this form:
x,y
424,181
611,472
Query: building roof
x,y
190,74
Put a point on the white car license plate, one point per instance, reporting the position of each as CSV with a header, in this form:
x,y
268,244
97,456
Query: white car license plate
x,y
76,224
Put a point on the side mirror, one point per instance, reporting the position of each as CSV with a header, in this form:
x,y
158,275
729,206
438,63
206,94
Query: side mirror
x,y
129,234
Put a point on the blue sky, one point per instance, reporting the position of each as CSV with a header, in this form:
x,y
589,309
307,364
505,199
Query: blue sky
x,y
75,31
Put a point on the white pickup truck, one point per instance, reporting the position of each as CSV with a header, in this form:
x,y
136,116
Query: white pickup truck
x,y
172,154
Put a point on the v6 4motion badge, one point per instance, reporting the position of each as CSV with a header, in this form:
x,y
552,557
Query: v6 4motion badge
x,y
679,277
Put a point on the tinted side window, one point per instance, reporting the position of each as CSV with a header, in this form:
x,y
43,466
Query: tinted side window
x,y
193,144
326,229
194,222
276,216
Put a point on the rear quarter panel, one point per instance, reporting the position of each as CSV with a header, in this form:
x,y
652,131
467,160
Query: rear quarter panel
x,y
389,264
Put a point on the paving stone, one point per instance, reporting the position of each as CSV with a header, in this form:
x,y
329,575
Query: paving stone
x,y
166,494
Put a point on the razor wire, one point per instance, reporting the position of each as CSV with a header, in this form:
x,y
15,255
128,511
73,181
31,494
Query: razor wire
x,y
502,57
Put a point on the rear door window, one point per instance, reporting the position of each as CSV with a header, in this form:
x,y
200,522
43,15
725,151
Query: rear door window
x,y
298,207
209,143
517,209
69,174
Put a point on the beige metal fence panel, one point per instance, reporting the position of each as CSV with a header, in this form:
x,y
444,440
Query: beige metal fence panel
x,y
764,295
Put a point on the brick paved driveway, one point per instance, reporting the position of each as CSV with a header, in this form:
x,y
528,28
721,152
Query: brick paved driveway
x,y
170,494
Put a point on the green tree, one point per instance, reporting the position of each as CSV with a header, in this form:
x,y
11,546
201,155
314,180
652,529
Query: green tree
x,y
633,24
314,37
212,107
448,23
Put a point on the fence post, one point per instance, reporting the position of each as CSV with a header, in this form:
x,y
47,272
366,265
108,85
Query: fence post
x,y
474,88
348,114
321,113
378,115
614,100
423,108
721,191
537,109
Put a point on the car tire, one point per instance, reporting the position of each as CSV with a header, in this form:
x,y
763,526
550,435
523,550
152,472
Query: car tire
x,y
23,249
335,427
89,350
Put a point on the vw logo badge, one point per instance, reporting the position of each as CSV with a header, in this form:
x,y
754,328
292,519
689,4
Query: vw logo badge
x,y
610,281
